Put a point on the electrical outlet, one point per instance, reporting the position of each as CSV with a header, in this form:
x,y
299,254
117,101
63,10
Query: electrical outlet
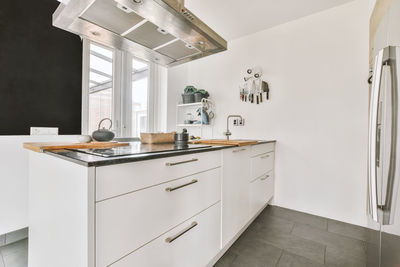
x,y
238,122
44,130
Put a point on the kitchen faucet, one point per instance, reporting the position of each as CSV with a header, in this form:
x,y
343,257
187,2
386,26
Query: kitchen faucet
x,y
228,133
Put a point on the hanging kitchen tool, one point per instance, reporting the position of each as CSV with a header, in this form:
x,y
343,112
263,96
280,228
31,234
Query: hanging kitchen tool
x,y
265,88
254,87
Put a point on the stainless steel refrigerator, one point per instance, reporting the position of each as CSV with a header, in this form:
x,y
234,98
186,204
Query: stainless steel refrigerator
x,y
383,246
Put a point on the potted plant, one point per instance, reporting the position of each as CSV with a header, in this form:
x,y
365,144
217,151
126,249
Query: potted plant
x,y
188,94
200,94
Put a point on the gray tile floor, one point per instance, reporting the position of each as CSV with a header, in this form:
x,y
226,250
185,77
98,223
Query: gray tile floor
x,y
14,254
283,237
278,237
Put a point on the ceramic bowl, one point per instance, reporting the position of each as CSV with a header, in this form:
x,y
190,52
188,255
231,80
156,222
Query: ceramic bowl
x,y
84,138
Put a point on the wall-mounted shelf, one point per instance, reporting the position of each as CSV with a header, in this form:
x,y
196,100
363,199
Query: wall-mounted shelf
x,y
192,125
191,104
189,112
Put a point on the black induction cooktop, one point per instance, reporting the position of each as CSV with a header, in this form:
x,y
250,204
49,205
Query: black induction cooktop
x,y
138,148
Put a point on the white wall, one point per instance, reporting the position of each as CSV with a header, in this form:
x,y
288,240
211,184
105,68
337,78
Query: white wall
x,y
371,5
317,68
14,180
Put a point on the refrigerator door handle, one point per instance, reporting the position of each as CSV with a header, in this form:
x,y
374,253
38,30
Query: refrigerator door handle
x,y
373,138
391,187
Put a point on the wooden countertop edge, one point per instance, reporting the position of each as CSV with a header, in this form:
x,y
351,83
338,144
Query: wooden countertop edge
x,y
41,147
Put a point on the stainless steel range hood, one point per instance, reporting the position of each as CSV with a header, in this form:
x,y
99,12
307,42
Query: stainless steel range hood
x,y
162,31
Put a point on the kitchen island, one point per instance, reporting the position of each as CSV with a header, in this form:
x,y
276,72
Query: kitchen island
x,y
155,207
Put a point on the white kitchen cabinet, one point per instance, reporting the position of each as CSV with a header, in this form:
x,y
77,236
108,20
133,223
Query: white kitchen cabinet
x,y
192,243
125,214
119,179
261,164
262,149
235,191
261,191
125,223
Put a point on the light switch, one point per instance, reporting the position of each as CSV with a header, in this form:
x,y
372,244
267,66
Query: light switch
x,y
44,130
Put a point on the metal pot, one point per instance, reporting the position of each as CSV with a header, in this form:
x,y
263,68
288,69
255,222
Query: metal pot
x,y
103,134
181,137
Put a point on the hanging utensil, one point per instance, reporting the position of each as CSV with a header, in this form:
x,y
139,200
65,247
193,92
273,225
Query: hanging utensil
x,y
265,89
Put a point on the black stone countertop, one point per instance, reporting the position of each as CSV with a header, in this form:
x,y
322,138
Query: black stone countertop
x,y
89,160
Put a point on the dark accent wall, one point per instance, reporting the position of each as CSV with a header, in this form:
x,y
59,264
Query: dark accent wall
x,y
40,70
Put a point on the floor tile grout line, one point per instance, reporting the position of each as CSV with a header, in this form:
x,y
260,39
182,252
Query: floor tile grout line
x,y
291,231
347,236
295,222
332,233
285,249
280,257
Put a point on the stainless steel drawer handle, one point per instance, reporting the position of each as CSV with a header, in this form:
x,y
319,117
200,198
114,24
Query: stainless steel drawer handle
x,y
264,157
170,189
180,162
239,150
172,238
264,178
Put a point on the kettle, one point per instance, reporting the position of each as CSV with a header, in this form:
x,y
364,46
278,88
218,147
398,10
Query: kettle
x,y
103,134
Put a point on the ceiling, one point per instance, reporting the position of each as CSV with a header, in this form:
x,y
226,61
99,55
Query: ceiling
x,y
234,18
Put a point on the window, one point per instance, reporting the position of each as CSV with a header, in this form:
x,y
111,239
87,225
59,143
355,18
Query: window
x,y
100,85
116,86
140,73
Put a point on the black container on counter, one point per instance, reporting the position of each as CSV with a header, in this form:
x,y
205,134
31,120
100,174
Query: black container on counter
x,y
181,139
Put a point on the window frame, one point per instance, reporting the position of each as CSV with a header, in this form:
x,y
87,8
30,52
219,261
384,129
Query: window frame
x,y
121,88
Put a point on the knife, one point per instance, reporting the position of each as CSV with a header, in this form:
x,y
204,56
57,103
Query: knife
x,y
265,89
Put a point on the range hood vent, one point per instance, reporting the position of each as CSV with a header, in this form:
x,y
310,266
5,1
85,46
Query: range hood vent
x,y
162,31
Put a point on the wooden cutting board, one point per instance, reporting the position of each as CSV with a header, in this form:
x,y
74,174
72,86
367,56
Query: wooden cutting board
x,y
224,142
40,147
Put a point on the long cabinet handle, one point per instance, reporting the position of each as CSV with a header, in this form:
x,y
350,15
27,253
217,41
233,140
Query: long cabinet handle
x,y
172,238
264,157
239,150
180,162
264,178
170,189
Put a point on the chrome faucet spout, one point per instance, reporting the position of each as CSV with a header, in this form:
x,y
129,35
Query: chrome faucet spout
x,y
228,133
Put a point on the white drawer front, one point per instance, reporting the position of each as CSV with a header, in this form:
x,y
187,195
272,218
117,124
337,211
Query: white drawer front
x,y
126,222
261,191
261,164
119,179
195,247
262,149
